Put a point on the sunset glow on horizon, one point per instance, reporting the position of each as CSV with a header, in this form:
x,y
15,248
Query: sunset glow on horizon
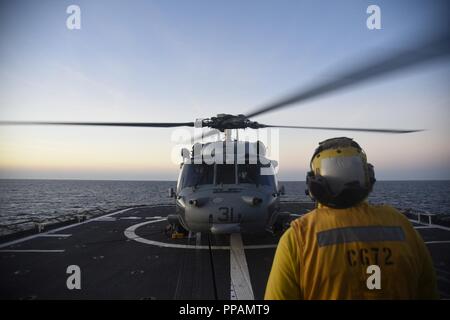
x,y
160,61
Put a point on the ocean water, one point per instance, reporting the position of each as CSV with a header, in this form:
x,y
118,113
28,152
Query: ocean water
x,y
423,196
24,199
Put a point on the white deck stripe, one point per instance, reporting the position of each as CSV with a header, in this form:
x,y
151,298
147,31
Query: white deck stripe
x,y
107,219
7,244
198,239
55,235
33,250
130,233
232,292
430,225
240,277
437,242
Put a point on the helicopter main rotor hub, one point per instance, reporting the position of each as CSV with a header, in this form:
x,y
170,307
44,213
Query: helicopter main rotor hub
x,y
229,121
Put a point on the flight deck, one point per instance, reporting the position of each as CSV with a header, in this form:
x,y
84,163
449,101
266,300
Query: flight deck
x,y
127,255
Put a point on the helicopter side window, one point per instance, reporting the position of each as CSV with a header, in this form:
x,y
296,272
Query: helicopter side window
x,y
225,174
193,175
251,173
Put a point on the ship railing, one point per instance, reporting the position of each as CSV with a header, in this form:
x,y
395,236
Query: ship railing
x,y
423,217
425,214
41,224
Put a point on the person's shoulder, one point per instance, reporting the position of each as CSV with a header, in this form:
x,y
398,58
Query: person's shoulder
x,y
391,211
387,208
304,218
288,234
288,240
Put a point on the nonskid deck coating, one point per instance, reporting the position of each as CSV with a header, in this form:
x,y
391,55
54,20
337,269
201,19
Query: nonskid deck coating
x,y
115,264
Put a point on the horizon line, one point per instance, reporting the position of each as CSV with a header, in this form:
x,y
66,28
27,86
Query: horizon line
x,y
167,180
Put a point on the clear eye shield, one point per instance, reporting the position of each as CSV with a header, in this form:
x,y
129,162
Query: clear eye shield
x,y
342,171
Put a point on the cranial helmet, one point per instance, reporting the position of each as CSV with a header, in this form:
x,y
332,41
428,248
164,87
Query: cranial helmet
x,y
340,176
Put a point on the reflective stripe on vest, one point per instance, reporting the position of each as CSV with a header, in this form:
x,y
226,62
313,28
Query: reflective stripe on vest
x,y
360,234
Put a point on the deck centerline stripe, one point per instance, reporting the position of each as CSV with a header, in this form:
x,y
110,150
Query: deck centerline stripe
x,y
240,277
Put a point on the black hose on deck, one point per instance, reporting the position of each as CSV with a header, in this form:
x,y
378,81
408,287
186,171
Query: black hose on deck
x,y
213,273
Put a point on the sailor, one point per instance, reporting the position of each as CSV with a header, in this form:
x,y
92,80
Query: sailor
x,y
346,248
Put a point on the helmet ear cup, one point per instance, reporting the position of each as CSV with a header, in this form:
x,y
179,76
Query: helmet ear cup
x,y
319,190
318,187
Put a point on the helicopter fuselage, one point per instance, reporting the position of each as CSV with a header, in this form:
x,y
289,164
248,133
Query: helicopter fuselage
x,y
227,208
225,197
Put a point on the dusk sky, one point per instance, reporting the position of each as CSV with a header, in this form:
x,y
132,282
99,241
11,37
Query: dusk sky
x,y
174,60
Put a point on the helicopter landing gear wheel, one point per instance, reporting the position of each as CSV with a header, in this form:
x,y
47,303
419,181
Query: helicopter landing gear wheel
x,y
175,231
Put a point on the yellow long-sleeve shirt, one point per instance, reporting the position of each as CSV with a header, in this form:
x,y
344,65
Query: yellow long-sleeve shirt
x,y
325,255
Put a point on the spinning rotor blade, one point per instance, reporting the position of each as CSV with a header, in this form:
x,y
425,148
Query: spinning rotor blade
x,y
394,62
106,124
342,129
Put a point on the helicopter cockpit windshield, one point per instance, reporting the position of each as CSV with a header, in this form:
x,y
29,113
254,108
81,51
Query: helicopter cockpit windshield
x,y
258,174
194,175
225,174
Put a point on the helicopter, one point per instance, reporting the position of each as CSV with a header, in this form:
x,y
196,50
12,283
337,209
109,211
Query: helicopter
x,y
234,196
226,186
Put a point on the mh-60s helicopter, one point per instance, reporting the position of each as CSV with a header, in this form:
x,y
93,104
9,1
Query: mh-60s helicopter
x,y
227,186
229,197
